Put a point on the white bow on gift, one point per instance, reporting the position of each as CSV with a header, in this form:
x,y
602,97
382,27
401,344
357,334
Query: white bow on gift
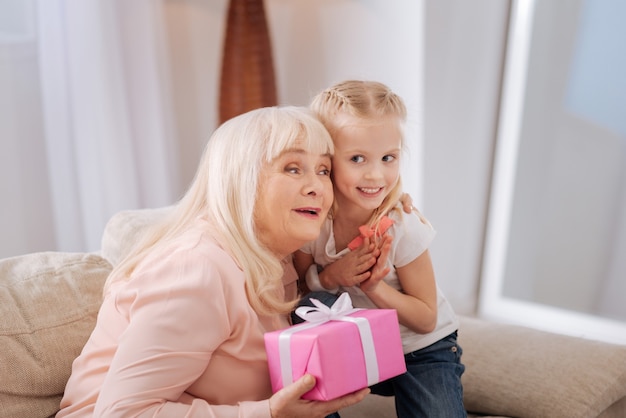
x,y
320,314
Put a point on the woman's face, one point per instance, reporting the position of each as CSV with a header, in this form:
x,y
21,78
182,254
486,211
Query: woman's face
x,y
295,194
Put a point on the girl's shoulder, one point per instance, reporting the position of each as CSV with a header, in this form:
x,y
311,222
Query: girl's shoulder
x,y
410,222
412,235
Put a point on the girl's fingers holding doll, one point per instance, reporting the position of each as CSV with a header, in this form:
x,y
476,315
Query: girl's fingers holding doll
x,y
367,246
380,269
366,262
360,278
385,240
385,250
385,243
348,270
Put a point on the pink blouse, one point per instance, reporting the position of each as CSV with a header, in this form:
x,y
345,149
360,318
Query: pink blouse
x,y
178,340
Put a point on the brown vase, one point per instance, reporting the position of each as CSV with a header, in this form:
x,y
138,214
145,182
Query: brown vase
x,y
247,79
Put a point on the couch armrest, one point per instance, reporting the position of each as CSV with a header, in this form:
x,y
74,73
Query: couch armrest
x,y
517,371
49,302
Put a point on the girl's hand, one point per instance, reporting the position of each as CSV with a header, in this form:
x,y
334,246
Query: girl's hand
x,y
287,402
351,269
407,202
380,269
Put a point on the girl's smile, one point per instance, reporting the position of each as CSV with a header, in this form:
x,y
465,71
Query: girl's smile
x,y
366,164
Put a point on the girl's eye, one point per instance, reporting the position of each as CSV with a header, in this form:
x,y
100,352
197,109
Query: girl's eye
x,y
357,159
389,158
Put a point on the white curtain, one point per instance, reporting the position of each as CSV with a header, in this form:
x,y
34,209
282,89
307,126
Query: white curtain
x,y
85,127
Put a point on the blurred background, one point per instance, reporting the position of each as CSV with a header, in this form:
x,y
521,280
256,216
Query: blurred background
x,y
107,105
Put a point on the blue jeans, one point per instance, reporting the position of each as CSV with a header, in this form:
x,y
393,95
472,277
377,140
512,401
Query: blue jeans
x,y
431,386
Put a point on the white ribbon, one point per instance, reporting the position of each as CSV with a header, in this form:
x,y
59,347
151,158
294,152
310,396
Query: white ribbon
x,y
318,315
322,313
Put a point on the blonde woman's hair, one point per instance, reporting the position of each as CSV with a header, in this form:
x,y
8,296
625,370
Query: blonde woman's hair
x,y
369,101
225,191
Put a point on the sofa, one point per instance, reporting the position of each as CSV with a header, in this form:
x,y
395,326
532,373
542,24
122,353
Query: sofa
x,y
49,302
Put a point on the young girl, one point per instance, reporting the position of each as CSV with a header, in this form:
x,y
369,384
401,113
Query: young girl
x,y
371,250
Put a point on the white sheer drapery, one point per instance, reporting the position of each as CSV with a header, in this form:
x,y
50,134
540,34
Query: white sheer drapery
x,y
87,128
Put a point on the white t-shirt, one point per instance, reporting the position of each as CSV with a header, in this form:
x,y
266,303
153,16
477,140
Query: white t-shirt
x,y
411,237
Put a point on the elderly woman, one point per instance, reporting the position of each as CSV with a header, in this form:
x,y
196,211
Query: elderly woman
x,y
180,330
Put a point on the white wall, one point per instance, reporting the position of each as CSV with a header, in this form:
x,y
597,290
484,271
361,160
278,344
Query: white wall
x,y
315,43
463,62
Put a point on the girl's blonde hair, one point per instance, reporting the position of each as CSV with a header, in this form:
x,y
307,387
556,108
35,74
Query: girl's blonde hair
x,y
367,100
225,191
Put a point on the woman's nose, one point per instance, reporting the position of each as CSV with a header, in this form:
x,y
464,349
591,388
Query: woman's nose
x,y
315,184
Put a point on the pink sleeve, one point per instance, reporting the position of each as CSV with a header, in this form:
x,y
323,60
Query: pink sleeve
x,y
168,342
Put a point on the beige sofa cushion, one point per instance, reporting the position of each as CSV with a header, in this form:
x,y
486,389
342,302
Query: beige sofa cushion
x,y
48,306
522,372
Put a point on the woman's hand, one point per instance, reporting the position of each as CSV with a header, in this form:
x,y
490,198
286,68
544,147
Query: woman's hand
x,y
287,402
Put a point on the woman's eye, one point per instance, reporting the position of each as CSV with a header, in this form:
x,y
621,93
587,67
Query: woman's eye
x,y
389,158
325,172
357,159
292,170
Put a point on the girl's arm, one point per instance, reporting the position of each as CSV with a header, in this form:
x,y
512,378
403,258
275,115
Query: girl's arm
x,y
417,306
349,270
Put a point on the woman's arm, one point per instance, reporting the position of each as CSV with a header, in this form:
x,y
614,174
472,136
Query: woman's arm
x,y
176,317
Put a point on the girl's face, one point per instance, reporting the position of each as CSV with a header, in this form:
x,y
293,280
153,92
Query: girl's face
x,y
295,194
366,164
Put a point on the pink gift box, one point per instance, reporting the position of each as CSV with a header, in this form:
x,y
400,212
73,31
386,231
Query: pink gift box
x,y
336,354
